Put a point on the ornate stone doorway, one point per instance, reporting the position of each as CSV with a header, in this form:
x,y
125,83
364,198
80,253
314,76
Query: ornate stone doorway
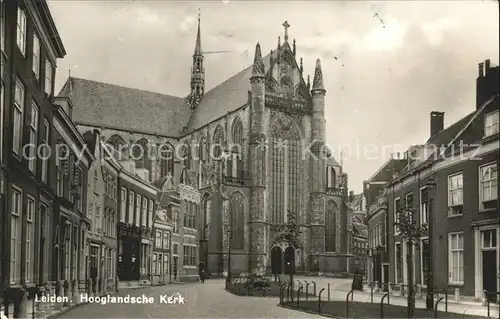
x,y
276,260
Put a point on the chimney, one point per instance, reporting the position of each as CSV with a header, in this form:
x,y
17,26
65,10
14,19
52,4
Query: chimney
x,y
488,83
177,172
437,122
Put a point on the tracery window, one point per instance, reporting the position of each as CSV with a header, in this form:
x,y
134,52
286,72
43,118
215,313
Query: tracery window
x,y
141,155
285,169
186,156
235,162
166,158
237,210
118,145
218,144
331,224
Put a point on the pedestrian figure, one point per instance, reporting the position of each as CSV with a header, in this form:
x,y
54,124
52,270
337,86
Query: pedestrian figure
x,y
202,276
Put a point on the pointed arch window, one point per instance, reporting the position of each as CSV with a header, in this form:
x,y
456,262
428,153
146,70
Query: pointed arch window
x,y
186,156
331,224
141,155
202,149
119,145
166,159
218,142
285,169
237,222
235,162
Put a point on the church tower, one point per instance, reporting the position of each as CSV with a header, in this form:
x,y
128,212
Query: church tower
x,y
318,165
197,70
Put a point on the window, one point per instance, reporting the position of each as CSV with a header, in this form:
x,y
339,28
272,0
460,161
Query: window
x,y
397,209
150,213
455,194
36,56
90,209
158,239
165,264
2,27
46,232
424,202
166,240
424,259
409,206
399,262
21,30
138,210
186,256
131,196
488,189
18,117
491,124
33,137
153,269
456,258
144,217
15,237
123,207
488,239
175,221
48,77
30,239
45,150
98,218
160,264
193,255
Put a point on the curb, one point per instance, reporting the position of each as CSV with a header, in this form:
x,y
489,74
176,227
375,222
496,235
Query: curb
x,y
308,311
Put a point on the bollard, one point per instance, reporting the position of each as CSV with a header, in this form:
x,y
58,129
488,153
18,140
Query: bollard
x,y
351,293
328,291
371,291
307,290
446,301
298,295
319,300
382,305
314,285
436,307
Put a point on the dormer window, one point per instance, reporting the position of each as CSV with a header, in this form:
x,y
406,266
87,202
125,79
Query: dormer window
x,y
491,124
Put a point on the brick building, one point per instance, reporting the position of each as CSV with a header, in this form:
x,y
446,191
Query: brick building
x,y
375,195
464,212
29,48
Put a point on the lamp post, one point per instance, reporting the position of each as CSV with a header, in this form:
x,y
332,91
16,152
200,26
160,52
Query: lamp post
x,y
431,187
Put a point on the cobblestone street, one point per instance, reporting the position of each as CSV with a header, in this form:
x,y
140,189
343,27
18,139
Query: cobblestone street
x,y
208,300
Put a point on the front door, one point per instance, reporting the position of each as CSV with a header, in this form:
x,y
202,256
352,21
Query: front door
x,y
276,261
490,269
174,268
385,276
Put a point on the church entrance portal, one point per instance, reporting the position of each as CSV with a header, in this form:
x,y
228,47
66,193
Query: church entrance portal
x,y
276,260
289,260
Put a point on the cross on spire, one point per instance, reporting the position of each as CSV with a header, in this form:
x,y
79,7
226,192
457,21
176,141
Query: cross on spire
x,y
286,25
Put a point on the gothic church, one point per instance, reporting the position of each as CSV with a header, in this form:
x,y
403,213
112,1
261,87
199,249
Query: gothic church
x,y
271,112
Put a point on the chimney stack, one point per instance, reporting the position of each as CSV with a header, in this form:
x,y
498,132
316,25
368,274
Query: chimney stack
x,y
481,69
437,122
487,84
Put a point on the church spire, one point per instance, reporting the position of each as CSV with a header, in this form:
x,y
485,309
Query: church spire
x,y
258,64
318,78
197,70
197,48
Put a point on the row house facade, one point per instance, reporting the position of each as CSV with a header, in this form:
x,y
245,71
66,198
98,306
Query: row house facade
x,y
461,208
29,209
180,202
377,221
163,228
100,245
137,203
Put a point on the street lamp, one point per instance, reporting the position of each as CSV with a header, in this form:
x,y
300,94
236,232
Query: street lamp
x,y
431,187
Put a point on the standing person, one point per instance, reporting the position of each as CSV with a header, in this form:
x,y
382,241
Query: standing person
x,y
202,276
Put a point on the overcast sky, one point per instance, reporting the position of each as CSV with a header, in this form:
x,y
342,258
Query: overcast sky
x,y
386,65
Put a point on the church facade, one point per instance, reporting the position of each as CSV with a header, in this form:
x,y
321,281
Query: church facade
x,y
253,147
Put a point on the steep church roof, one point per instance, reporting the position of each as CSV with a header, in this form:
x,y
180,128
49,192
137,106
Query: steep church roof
x,y
109,105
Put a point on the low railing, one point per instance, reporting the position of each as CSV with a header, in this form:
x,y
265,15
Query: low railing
x,y
234,180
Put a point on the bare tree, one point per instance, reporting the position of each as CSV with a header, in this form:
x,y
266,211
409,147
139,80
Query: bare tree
x,y
411,233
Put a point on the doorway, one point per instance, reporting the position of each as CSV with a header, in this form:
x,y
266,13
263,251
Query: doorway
x,y
174,268
289,260
490,273
276,261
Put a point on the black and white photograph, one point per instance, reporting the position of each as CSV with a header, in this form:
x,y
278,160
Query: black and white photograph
x,y
249,159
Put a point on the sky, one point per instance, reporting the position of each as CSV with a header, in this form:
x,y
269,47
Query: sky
x,y
386,65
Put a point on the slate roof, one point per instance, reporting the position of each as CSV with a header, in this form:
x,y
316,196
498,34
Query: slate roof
x,y
443,137
228,96
103,104
385,173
